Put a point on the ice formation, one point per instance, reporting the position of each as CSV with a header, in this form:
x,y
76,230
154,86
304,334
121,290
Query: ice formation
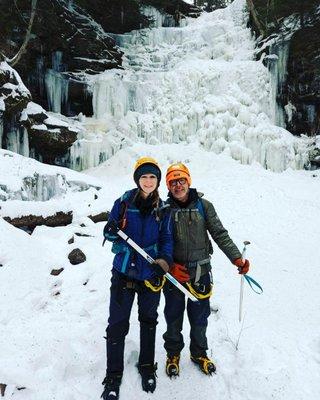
x,y
197,82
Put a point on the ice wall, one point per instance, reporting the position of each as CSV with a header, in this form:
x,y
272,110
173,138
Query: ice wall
x,y
199,82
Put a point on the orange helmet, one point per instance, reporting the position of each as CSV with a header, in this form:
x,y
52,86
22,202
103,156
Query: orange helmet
x,y
176,171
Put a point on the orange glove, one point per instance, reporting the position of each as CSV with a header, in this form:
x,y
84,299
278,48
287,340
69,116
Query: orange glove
x,y
243,265
180,272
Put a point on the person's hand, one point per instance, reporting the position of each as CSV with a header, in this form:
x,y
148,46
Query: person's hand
x,y
112,227
243,265
161,266
180,272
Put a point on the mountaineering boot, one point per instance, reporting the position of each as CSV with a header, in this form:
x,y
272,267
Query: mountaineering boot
x,y
172,365
111,387
205,364
148,376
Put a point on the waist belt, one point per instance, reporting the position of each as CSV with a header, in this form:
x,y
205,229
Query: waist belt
x,y
197,265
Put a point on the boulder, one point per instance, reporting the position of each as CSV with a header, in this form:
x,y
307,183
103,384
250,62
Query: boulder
x,y
56,272
76,256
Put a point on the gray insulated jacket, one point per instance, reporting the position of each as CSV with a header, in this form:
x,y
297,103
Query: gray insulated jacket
x,y
191,227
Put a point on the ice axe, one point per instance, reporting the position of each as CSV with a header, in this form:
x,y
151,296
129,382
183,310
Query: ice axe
x,y
145,255
243,256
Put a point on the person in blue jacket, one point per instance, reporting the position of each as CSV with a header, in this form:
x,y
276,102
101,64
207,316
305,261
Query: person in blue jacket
x,y
141,214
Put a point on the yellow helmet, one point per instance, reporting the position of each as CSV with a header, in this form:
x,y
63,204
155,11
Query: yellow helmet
x,y
145,160
146,165
176,171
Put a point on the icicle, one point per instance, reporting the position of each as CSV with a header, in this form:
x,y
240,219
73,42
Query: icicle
x,y
159,19
278,69
17,140
56,84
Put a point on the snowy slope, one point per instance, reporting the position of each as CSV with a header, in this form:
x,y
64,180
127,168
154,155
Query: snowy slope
x,y
52,327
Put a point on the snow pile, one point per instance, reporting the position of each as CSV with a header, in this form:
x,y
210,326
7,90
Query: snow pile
x,y
52,327
195,83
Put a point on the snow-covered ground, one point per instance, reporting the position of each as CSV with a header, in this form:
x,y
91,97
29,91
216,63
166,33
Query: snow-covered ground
x,y
52,327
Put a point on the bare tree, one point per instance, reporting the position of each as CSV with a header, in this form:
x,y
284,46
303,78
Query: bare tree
x,y
13,61
255,17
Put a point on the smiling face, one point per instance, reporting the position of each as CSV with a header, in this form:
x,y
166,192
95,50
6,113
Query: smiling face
x,y
148,183
179,189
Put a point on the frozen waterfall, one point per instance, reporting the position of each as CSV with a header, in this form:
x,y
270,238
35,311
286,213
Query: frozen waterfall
x,y
196,82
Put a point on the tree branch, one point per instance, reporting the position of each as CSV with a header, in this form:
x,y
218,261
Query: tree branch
x,y
255,17
24,45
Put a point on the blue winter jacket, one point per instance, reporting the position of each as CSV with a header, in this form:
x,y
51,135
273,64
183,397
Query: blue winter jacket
x,y
153,235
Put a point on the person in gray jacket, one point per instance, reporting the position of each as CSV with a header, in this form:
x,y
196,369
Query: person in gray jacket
x,y
193,218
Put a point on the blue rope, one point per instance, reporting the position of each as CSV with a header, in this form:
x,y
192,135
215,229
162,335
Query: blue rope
x,y
252,282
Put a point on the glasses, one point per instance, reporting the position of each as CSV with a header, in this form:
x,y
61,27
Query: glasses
x,y
181,181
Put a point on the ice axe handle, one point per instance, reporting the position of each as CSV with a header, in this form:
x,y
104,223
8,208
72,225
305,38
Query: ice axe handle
x,y
243,256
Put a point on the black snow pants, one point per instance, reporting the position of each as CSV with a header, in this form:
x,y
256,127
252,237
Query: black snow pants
x,y
121,300
198,313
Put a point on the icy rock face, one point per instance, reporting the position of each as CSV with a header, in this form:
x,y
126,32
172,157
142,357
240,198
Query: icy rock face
x,y
13,93
289,35
199,82
36,188
29,180
44,187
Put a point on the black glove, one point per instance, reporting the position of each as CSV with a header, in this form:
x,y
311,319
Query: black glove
x,y
160,266
111,227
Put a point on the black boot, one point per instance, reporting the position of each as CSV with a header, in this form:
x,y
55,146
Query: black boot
x,y
111,387
148,377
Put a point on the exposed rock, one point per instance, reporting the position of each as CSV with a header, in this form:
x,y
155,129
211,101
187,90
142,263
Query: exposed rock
x,y
77,257
2,389
49,136
82,234
56,272
104,216
71,240
31,221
